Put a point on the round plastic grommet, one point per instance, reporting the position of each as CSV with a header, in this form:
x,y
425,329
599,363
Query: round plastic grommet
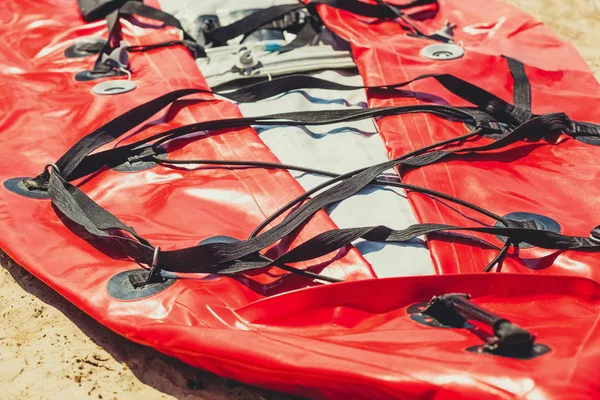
x,y
119,286
114,87
78,50
442,51
542,223
16,185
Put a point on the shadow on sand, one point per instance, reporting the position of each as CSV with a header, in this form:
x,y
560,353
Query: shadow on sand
x,y
163,373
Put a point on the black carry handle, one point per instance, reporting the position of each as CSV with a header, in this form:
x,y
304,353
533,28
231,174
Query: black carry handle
x,y
455,309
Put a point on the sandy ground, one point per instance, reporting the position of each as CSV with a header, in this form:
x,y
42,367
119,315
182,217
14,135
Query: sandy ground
x,y
51,350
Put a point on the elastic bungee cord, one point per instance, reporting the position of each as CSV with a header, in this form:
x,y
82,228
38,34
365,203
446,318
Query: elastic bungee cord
x,y
336,178
380,182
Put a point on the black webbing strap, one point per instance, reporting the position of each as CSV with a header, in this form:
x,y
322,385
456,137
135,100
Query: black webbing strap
x,y
114,38
93,10
109,132
196,50
143,10
380,10
230,258
306,36
491,107
521,87
330,241
212,257
249,24
220,36
585,129
522,100
483,99
116,156
215,257
486,101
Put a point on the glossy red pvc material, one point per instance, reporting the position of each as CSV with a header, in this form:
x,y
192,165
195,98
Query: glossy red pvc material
x,y
557,179
345,340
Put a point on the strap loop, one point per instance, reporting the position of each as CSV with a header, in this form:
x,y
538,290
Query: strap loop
x,y
153,276
52,167
595,235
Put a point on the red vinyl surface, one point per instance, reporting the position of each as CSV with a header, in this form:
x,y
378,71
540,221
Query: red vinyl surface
x,y
558,180
352,339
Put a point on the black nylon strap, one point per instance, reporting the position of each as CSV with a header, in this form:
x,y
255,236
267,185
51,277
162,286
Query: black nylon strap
x,y
522,87
94,10
84,211
215,255
330,241
109,132
230,258
254,21
194,48
223,257
483,99
117,156
585,129
114,38
381,11
143,10
113,10
521,90
249,24
358,181
307,35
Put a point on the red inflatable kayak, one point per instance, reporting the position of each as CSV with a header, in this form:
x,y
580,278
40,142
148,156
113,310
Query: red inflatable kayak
x,y
143,195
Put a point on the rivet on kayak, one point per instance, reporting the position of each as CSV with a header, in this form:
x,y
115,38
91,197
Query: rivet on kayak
x,y
542,223
442,51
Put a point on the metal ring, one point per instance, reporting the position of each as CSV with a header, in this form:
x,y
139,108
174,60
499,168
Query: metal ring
x,y
54,167
154,270
594,239
155,257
